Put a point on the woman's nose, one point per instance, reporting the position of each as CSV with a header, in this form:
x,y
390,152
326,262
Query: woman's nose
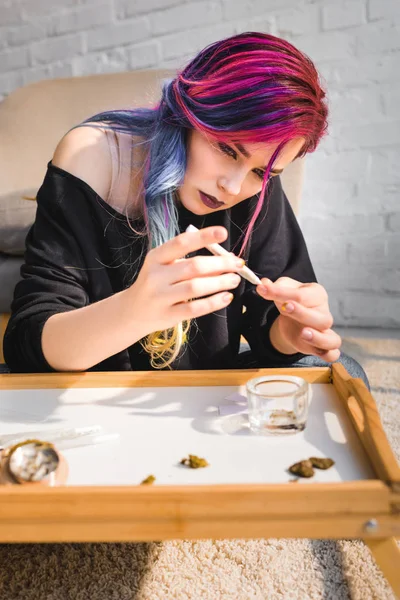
x,y
231,184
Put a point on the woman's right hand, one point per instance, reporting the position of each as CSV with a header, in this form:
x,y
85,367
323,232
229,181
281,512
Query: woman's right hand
x,y
171,288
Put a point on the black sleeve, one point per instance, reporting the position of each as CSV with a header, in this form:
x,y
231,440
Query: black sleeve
x,y
54,277
277,249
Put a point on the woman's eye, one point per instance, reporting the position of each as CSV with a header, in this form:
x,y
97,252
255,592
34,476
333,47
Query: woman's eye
x,y
227,150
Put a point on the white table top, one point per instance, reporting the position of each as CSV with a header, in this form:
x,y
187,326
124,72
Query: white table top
x,y
160,426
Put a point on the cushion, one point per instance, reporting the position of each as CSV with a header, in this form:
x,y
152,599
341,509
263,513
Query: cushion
x,y
17,214
10,274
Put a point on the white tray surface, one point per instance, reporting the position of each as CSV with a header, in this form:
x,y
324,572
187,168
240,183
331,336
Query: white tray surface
x,y
159,426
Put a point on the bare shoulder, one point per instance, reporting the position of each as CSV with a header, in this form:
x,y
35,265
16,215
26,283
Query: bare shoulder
x,y
84,152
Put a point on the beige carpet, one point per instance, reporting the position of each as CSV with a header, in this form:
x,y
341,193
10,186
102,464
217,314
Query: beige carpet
x,y
272,569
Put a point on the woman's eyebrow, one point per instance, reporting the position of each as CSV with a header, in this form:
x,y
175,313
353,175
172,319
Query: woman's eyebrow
x,y
247,154
243,150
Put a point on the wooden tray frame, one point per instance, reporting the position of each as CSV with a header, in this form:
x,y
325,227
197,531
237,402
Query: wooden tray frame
x,y
367,509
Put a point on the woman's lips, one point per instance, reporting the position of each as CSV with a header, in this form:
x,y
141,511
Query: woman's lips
x,y
210,201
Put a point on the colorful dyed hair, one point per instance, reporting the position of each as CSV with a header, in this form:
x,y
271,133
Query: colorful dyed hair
x,y
252,87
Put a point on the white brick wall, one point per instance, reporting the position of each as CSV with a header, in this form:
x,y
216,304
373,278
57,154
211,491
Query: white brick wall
x,y
350,212
343,14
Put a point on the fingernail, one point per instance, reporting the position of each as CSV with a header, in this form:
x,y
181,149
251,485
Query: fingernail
x,y
227,297
287,307
263,289
307,334
240,262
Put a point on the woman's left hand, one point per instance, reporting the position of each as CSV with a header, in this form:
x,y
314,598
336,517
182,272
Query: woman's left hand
x,y
304,310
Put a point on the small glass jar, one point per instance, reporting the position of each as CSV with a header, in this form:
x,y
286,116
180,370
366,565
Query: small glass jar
x,y
277,404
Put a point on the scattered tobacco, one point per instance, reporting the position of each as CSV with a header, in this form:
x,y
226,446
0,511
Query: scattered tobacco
x,y
149,480
321,463
194,462
303,468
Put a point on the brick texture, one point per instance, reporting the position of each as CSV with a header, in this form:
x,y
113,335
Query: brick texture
x,y
341,15
350,207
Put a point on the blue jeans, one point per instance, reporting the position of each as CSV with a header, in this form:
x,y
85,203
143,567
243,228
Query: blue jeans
x,y
247,361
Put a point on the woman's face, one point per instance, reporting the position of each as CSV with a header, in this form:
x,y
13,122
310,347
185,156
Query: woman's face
x,y
228,173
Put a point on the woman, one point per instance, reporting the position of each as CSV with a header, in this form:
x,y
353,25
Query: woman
x,y
112,281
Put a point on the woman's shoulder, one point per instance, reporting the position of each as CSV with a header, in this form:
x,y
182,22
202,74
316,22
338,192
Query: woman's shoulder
x,y
84,152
